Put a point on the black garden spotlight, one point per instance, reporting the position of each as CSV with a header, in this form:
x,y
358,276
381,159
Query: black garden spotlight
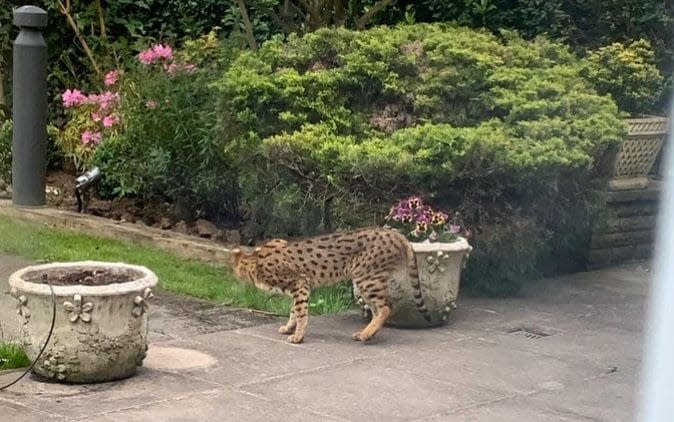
x,y
84,182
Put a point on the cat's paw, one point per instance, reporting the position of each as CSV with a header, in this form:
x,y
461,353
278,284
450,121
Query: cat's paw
x,y
361,336
284,329
295,339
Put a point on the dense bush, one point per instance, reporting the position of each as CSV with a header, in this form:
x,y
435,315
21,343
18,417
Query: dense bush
x,y
628,73
329,127
6,150
107,33
164,149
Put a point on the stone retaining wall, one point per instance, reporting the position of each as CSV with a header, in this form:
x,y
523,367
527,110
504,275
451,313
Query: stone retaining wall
x,y
630,233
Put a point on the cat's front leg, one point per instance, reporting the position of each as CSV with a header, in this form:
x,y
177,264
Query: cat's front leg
x,y
290,325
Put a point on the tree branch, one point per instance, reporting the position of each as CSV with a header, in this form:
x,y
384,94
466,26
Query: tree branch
x,y
340,12
2,88
65,11
101,19
372,11
250,36
313,13
327,12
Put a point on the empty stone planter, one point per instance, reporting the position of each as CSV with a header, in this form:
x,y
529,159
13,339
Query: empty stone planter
x,y
440,266
100,333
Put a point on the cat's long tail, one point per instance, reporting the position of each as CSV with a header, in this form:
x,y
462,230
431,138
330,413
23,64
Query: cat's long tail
x,y
414,280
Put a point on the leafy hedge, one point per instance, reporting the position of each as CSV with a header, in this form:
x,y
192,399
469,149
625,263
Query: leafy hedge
x,y
328,129
165,148
6,151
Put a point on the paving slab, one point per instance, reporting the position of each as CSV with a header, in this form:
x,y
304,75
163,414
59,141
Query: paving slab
x,y
9,320
17,412
216,405
581,363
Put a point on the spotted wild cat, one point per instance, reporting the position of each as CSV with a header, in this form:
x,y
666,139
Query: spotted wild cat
x,y
369,257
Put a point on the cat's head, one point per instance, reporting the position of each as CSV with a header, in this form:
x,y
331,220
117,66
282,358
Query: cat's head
x,y
243,264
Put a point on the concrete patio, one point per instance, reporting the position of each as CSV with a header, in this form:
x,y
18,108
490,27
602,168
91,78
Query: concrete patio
x,y
207,363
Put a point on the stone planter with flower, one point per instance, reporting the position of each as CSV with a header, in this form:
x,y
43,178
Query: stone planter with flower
x,y
100,330
441,251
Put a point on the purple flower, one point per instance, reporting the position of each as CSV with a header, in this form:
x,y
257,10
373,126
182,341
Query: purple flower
x,y
423,218
405,216
405,205
414,202
426,210
454,229
439,218
421,228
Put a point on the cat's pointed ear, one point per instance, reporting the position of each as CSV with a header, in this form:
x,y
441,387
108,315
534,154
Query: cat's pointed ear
x,y
236,254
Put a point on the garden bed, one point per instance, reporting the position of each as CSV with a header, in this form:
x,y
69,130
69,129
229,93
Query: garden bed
x,y
61,195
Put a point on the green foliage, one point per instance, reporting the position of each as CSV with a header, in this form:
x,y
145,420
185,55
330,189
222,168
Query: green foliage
x,y
6,151
12,356
165,148
628,73
69,140
329,127
586,24
117,30
504,257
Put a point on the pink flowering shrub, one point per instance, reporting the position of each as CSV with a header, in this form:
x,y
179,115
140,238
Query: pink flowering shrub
x,y
161,143
420,223
94,117
157,53
164,56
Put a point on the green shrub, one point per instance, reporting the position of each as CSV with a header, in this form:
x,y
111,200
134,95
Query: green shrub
x,y
6,151
165,148
53,155
628,73
326,129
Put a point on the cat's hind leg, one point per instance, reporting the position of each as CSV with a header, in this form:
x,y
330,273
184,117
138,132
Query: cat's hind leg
x,y
375,293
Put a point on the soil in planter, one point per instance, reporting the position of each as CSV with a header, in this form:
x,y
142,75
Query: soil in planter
x,y
84,277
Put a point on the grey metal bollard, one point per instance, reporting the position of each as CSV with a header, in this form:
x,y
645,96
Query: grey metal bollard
x,y
29,93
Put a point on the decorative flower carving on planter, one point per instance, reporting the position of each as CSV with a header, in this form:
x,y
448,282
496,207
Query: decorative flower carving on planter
x,y
451,305
435,263
21,307
78,310
140,305
54,364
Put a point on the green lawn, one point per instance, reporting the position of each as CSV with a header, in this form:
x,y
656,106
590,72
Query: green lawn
x,y
12,356
175,274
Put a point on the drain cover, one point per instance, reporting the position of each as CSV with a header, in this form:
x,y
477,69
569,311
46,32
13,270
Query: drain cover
x,y
174,358
528,332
